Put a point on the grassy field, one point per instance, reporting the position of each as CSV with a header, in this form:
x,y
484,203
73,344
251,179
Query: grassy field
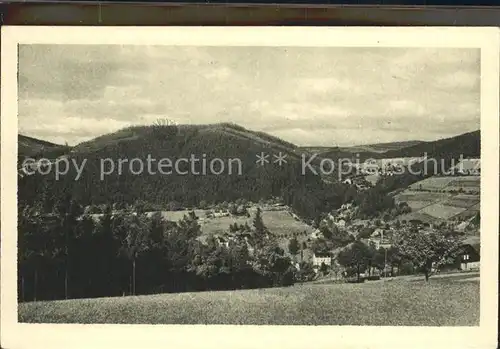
x,y
418,204
433,183
278,222
442,211
422,196
443,205
464,201
448,183
441,302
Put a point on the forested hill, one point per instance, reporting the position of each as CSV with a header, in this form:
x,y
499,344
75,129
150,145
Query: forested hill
x,y
467,144
306,191
29,146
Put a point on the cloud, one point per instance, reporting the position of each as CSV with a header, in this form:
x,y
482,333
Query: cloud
x,y
309,96
221,74
458,80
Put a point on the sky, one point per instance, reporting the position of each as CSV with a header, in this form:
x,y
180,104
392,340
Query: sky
x,y
328,96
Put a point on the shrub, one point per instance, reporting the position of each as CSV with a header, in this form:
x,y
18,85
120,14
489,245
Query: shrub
x,y
92,209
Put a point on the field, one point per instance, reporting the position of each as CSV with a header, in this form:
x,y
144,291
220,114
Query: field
x,y
448,183
433,183
418,204
442,211
278,222
469,212
442,200
422,196
464,201
408,302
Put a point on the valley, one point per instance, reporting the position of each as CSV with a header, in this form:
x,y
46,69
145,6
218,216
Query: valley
x,y
271,226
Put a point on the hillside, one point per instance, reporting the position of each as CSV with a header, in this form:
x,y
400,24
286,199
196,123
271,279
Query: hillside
x,y
411,303
232,149
375,147
467,144
29,146
222,129
437,199
383,147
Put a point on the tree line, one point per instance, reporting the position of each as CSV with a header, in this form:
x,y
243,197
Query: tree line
x,y
307,194
67,254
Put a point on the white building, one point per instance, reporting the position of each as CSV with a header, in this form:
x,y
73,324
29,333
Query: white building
x,y
318,260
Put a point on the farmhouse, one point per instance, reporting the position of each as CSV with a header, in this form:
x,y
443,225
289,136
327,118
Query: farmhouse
x,y
320,259
470,254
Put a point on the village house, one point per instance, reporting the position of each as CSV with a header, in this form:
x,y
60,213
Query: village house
x,y
470,255
318,260
380,238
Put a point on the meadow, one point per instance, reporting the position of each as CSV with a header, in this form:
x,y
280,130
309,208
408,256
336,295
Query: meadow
x,y
422,196
441,198
418,204
278,222
451,301
442,211
464,201
433,183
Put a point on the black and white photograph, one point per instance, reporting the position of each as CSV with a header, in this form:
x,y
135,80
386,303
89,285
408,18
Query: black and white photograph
x,y
296,180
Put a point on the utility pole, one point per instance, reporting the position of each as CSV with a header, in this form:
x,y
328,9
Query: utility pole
x,y
385,263
385,254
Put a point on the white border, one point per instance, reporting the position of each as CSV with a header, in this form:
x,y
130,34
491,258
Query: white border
x,y
14,335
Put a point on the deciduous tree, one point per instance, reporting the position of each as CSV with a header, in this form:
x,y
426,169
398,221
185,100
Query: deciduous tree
x,y
356,256
427,249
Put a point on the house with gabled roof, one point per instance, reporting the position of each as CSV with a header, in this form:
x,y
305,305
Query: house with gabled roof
x,y
470,254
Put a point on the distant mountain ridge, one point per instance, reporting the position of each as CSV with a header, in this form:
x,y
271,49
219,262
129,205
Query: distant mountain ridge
x,y
366,148
29,146
36,148
384,147
467,144
302,190
222,141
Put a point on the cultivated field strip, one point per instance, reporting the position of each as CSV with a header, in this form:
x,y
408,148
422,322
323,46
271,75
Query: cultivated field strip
x,y
442,198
